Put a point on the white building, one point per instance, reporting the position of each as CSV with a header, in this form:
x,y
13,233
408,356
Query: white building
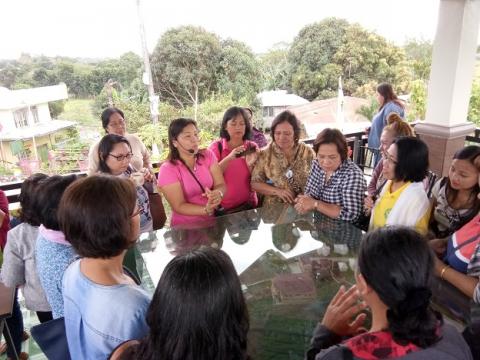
x,y
276,101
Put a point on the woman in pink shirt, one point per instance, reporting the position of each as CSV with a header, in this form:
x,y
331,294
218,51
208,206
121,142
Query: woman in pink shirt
x,y
191,179
236,156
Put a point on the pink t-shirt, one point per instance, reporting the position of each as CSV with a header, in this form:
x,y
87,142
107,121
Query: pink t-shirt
x,y
178,173
237,176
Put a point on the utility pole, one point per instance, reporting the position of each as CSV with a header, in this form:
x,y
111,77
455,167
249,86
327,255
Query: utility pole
x,y
147,76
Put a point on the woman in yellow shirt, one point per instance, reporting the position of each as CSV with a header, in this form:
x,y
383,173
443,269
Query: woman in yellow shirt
x,y
403,200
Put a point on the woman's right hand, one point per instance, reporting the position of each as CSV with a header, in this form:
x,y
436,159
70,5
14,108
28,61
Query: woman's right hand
x,y
338,316
286,195
233,154
439,246
368,204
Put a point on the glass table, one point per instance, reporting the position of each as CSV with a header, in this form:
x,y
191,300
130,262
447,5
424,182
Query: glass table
x,y
289,265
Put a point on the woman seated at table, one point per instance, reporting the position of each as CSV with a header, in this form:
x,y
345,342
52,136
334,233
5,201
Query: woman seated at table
x,y
395,286
115,153
236,155
459,262
198,312
395,128
103,305
282,168
455,200
403,200
113,121
191,180
336,186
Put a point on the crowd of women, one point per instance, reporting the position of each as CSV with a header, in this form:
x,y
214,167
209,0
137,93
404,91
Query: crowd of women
x,y
67,252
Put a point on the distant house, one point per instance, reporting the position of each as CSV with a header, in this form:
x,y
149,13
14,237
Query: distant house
x,y
293,288
320,114
27,131
274,102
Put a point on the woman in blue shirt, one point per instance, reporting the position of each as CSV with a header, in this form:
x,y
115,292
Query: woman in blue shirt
x,y
389,103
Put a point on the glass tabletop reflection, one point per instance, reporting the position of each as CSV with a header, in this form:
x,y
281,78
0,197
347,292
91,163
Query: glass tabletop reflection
x,y
290,266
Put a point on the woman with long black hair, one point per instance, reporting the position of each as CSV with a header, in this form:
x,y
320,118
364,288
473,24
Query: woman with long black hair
x,y
393,277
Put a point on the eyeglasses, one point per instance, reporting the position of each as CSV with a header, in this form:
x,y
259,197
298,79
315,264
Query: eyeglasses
x,y
136,212
122,157
389,158
114,125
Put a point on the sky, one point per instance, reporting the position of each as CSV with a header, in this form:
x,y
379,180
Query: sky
x,y
109,28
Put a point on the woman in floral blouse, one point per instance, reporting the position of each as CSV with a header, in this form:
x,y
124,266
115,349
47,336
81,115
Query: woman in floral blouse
x,y
282,168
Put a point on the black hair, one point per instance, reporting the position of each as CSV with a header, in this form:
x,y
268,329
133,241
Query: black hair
x,y
174,129
469,153
50,191
288,117
397,263
332,136
412,159
105,147
198,310
95,215
231,114
29,211
106,116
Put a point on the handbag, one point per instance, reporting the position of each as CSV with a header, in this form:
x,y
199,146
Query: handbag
x,y
52,339
156,205
363,220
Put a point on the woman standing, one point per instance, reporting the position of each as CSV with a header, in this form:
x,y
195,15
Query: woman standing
x,y
190,179
236,156
388,103
113,121
282,168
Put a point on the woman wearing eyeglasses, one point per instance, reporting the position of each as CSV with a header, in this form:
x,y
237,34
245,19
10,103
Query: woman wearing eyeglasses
x,y
403,200
282,168
113,121
115,155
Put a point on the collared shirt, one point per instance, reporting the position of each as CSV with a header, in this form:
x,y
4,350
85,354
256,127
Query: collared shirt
x,y
272,167
346,187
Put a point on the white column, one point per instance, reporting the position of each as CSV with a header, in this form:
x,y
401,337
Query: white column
x,y
453,62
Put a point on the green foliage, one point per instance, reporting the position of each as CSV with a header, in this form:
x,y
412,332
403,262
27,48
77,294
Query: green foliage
x,y
239,71
184,63
418,101
56,108
369,110
419,54
81,111
323,51
474,106
274,68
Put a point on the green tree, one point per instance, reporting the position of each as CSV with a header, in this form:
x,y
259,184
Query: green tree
x,y
56,108
331,48
239,71
418,100
185,63
419,54
274,65
474,106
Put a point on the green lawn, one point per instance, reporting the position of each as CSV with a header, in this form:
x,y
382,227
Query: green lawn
x,y
79,110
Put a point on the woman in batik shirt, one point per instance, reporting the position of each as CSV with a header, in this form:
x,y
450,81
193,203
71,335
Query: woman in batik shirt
x,y
282,168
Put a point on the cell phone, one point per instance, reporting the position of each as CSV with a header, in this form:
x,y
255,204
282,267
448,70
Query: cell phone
x,y
247,151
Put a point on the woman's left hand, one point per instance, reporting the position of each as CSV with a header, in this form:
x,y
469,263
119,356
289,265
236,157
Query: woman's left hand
x,y
304,203
214,197
339,313
148,175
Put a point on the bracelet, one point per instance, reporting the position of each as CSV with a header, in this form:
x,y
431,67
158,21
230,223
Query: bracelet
x,y
206,210
443,271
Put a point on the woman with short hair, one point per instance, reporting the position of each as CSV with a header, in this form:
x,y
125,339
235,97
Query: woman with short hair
x,y
197,312
282,168
396,289
336,186
103,305
403,200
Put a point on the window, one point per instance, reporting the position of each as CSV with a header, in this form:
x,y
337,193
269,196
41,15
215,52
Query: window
x,y
21,118
34,112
